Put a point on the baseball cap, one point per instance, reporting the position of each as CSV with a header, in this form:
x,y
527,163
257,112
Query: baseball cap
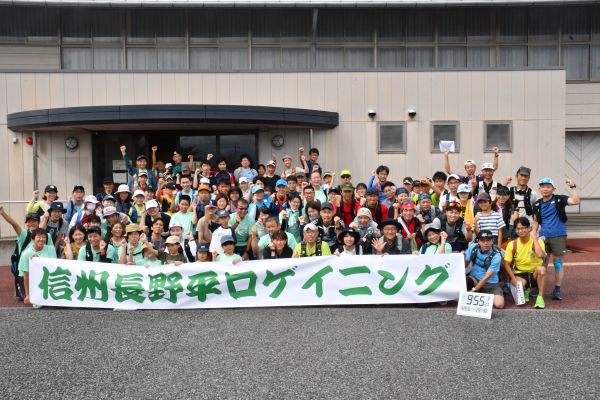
x,y
328,173
142,157
470,162
257,188
108,179
416,182
463,188
227,239
32,216
78,187
243,179
407,181
203,187
454,205
143,172
168,165
51,188
280,182
547,181
211,204
151,204
138,193
169,185
185,167
364,212
327,205
401,190
202,247
110,210
222,213
483,197
524,171
488,165
310,227
502,190
109,197
57,205
122,189
345,172
346,186
423,196
452,176
173,240
90,199
270,163
175,224
372,192
485,234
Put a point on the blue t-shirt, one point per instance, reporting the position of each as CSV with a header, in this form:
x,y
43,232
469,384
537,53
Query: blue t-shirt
x,y
551,225
478,265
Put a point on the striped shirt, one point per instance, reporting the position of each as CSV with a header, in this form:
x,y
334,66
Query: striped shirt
x,y
492,222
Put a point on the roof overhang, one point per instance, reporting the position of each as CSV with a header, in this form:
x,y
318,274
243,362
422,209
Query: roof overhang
x,y
192,116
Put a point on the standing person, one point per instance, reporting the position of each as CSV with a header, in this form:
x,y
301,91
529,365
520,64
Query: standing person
x,y
382,172
208,223
41,206
157,234
315,182
389,190
523,197
186,215
504,207
471,167
488,219
311,246
223,230
75,203
40,248
526,254
551,218
153,213
288,170
329,226
55,224
280,198
142,164
189,248
451,194
458,230
108,186
391,242
426,212
487,184
241,223
270,177
486,260
467,204
290,218
245,169
74,242
349,205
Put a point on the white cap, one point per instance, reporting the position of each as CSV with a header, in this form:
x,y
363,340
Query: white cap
x,y
90,198
151,203
205,181
453,176
138,193
175,224
469,162
168,165
488,165
243,179
310,226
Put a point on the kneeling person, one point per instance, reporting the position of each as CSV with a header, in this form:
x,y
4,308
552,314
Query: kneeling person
x,y
486,260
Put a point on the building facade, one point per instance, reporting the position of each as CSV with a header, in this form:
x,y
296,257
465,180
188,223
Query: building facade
x,y
263,78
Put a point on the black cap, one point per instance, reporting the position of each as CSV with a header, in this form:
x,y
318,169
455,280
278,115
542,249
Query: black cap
x,y
142,157
389,221
202,247
108,179
485,234
407,181
32,216
57,205
372,191
327,205
78,187
524,171
502,190
170,185
51,188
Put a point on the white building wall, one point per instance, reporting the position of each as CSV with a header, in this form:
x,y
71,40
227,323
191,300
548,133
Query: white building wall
x,y
533,100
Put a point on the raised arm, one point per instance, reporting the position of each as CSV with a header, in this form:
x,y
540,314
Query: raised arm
x,y
496,158
574,198
10,221
154,150
447,167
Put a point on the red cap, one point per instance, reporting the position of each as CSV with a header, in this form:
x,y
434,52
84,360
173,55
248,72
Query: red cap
x,y
408,206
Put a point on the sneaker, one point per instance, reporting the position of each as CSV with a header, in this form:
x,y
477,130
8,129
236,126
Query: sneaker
x,y
539,303
556,293
526,293
534,292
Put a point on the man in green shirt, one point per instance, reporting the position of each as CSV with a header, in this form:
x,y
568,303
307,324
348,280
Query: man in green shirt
x,y
241,223
39,248
96,249
310,246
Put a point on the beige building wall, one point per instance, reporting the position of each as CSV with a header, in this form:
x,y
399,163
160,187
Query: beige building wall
x,y
533,100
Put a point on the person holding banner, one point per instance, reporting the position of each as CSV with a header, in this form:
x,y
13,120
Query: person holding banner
x,y
96,249
150,256
349,239
40,248
486,260
278,247
524,261
228,255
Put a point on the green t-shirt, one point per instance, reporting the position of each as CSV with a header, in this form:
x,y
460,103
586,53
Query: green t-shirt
x,y
110,253
148,262
46,251
185,220
138,253
311,251
226,258
435,249
265,240
243,230
23,235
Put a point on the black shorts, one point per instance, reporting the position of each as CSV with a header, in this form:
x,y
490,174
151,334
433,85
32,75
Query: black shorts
x,y
529,278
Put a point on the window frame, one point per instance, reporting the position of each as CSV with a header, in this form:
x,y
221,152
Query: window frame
x,y
432,140
488,149
404,134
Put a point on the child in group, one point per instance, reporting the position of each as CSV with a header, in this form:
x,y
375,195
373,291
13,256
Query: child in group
x,y
467,204
451,194
173,253
150,256
228,255
222,230
487,219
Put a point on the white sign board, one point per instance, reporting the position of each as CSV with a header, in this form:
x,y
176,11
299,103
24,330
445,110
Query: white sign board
x,y
474,304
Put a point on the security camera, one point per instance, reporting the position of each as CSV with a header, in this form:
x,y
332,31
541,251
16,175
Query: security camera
x,y
412,112
372,113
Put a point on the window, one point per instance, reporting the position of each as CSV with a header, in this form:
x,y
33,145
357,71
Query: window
x,y
391,138
576,60
498,134
444,131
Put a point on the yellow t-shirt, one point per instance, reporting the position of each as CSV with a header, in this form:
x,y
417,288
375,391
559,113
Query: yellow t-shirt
x,y
525,259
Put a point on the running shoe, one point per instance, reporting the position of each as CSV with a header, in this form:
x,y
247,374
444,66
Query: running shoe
x,y
539,303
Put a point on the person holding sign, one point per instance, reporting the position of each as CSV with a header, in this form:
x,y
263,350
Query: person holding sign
x,y
486,260
526,254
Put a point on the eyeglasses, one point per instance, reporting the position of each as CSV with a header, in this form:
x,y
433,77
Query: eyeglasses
x,y
242,209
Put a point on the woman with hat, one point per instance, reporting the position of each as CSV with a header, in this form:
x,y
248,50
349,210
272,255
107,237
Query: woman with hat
x,y
41,206
173,253
436,239
366,229
348,240
134,245
123,204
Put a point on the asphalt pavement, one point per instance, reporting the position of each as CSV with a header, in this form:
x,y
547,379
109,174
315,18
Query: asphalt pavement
x,y
298,353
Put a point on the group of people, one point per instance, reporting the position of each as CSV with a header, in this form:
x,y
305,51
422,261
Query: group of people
x,y
183,211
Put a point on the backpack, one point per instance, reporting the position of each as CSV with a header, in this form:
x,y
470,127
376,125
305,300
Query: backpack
x,y
340,211
482,188
16,255
188,251
89,255
488,260
526,198
317,248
